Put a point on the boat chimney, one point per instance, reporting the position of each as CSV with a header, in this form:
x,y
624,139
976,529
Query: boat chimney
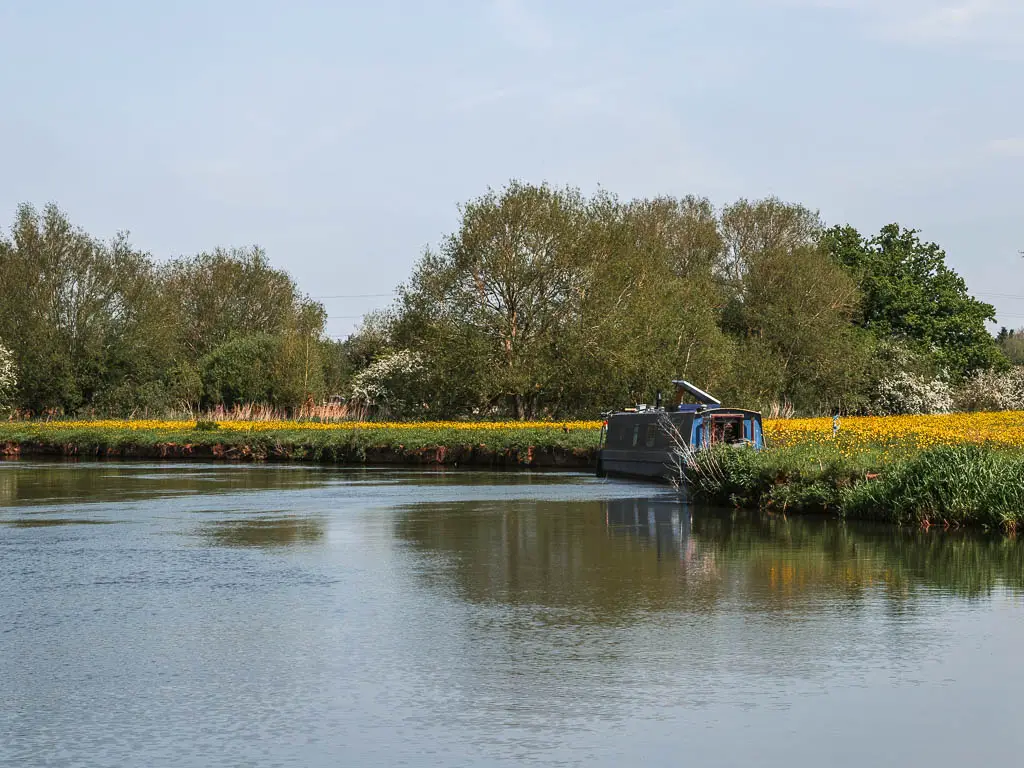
x,y
657,400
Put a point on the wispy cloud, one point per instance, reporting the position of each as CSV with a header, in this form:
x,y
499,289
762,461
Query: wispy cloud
x,y
523,24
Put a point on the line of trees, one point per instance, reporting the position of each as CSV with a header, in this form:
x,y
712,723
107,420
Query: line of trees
x,y
544,302
100,327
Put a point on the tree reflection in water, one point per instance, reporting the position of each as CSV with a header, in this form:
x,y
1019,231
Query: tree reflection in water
x,y
264,531
610,558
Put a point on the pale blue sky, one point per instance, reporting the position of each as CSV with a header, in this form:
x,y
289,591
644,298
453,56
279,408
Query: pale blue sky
x,y
341,136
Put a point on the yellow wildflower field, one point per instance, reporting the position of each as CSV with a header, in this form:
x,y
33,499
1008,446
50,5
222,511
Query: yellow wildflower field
x,y
997,429
1005,429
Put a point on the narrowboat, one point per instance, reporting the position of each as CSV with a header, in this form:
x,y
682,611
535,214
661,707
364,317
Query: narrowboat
x,y
636,443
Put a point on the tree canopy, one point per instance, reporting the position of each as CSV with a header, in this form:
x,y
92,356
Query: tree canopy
x,y
100,326
543,302
911,295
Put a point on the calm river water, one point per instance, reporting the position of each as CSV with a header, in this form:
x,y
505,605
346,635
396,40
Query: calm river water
x,y
200,615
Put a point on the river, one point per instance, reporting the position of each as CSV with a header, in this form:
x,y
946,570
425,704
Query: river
x,y
226,615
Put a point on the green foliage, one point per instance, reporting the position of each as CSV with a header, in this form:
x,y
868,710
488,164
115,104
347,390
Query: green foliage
x,y
959,485
543,302
242,370
911,295
963,485
132,399
1011,343
98,326
186,385
496,306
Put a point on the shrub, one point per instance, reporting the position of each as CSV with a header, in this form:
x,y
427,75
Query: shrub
x,y
910,383
8,378
907,393
951,485
128,399
992,391
391,384
242,370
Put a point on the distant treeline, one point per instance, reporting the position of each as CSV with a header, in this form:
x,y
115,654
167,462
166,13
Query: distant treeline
x,y
544,302
101,327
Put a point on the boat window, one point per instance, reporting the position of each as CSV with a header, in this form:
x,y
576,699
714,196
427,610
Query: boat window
x,y
727,429
652,435
636,434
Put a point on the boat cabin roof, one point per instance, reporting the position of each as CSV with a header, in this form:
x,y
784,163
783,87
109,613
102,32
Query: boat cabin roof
x,y
706,404
697,410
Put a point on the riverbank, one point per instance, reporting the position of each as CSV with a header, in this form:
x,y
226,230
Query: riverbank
x,y
950,486
570,445
954,470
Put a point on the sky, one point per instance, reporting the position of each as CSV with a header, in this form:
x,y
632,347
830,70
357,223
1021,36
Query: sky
x,y
342,136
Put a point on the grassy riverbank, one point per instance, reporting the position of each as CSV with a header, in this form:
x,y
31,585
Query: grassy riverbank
x,y
954,470
476,443
946,485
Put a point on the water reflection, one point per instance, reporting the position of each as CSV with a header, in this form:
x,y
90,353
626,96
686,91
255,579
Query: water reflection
x,y
612,558
42,483
662,523
44,522
371,618
57,482
264,532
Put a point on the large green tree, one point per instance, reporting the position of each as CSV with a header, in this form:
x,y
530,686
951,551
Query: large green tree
x,y
789,307
76,311
912,296
494,306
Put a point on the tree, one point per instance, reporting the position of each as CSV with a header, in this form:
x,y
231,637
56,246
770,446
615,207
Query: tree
x,y
750,228
65,302
228,293
789,308
910,294
650,308
1012,345
492,305
242,370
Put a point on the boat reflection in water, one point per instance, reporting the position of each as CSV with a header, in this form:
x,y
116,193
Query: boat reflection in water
x,y
663,524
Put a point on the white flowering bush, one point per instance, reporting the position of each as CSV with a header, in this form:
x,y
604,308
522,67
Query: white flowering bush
x,y
908,393
8,378
993,391
391,383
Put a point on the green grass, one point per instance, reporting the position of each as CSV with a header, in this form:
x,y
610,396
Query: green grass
x,y
950,486
343,445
